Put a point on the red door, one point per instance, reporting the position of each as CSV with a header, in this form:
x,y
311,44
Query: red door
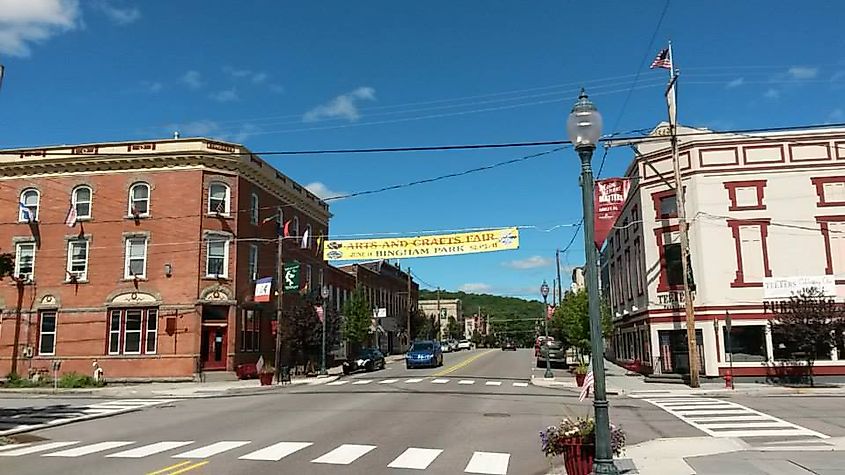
x,y
213,348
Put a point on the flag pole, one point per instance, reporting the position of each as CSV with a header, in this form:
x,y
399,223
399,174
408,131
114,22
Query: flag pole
x,y
683,229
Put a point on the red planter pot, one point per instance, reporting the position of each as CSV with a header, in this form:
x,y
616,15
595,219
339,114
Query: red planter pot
x,y
579,379
266,379
578,456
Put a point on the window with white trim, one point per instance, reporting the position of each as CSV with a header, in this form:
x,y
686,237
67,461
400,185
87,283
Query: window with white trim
x,y
307,242
294,227
133,331
135,264
218,199
28,210
25,261
253,208
250,330
81,201
253,262
47,332
77,259
139,200
217,257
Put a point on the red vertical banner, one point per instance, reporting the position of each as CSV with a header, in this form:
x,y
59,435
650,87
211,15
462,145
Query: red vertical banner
x,y
608,199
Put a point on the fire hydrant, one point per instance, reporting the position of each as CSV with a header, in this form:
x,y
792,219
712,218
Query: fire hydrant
x,y
729,380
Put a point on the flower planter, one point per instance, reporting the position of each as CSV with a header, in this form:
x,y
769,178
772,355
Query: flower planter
x,y
578,456
579,379
266,379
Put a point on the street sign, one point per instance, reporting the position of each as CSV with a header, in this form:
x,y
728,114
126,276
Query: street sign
x,y
379,312
262,289
291,277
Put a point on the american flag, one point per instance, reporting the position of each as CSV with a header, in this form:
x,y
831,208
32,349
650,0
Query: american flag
x,y
588,383
663,60
70,219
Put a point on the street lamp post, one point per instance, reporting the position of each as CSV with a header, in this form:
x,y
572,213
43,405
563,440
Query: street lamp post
x,y
584,129
544,291
324,293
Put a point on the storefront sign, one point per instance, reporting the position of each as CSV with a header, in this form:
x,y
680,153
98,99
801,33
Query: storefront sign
x,y
262,289
423,246
673,300
609,197
291,277
785,287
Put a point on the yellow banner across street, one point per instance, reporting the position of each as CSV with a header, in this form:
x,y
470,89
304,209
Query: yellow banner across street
x,y
489,240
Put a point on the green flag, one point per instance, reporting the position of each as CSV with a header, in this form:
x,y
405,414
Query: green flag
x,y
291,277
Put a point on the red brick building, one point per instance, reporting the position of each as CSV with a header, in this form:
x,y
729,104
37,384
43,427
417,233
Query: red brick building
x,y
156,277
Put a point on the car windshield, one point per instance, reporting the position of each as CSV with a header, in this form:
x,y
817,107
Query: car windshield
x,y
554,345
427,346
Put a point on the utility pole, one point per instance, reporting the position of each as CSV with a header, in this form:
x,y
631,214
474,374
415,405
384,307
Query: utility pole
x,y
554,290
438,312
559,282
408,307
683,229
280,290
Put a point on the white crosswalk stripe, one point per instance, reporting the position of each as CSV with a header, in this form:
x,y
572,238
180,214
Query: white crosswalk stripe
x,y
345,454
416,459
720,418
413,380
151,449
412,458
520,385
213,449
337,383
363,381
439,381
488,463
276,452
466,381
493,383
388,381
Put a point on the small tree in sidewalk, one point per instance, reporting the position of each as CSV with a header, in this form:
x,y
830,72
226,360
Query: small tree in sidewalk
x,y
358,322
808,327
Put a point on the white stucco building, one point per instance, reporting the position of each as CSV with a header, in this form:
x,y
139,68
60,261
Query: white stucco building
x,y
447,308
761,206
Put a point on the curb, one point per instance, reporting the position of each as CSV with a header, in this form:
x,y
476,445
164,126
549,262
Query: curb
x,y
565,386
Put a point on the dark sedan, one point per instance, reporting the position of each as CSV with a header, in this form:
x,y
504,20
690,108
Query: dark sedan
x,y
424,353
508,345
368,359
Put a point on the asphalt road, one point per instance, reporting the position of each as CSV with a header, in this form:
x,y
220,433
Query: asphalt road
x,y
444,420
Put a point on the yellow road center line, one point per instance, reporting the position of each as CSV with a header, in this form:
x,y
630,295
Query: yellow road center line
x,y
172,467
189,467
462,364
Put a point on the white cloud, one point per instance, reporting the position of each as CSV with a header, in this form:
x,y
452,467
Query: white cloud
x,y
735,83
836,115
241,134
475,287
152,86
257,77
532,262
344,106
119,15
771,93
802,72
192,79
24,22
321,190
227,95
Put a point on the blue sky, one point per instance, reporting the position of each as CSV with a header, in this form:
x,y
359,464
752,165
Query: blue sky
x,y
339,74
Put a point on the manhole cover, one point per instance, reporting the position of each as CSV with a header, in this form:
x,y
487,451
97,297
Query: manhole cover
x,y
496,414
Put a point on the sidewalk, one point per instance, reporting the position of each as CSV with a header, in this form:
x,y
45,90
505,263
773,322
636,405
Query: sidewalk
x,y
170,390
620,382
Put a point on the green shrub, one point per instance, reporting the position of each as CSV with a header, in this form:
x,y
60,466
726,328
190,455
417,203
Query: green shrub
x,y
76,380
15,381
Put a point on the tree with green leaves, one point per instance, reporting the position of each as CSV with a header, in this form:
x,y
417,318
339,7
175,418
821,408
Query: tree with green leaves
x,y
358,321
571,322
303,332
809,326
453,329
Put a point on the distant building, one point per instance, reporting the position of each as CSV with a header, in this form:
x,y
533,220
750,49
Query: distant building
x,y
578,282
476,322
386,288
443,309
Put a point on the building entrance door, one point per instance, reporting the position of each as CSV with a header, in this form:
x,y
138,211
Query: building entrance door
x,y
213,350
674,352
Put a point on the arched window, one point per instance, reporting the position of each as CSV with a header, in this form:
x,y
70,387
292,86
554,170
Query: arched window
x,y
139,200
307,237
218,199
81,201
28,209
294,227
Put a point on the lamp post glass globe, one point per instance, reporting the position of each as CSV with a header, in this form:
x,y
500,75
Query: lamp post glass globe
x,y
544,290
584,123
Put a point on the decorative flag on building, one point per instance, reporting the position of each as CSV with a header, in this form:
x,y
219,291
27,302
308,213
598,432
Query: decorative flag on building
x,y
609,198
320,312
306,240
263,286
268,219
26,213
70,219
291,277
589,382
320,240
286,230
259,365
663,59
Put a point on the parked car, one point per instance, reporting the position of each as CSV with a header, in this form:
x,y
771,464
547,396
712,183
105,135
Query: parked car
x,y
424,353
367,359
445,346
508,345
464,345
554,352
453,345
